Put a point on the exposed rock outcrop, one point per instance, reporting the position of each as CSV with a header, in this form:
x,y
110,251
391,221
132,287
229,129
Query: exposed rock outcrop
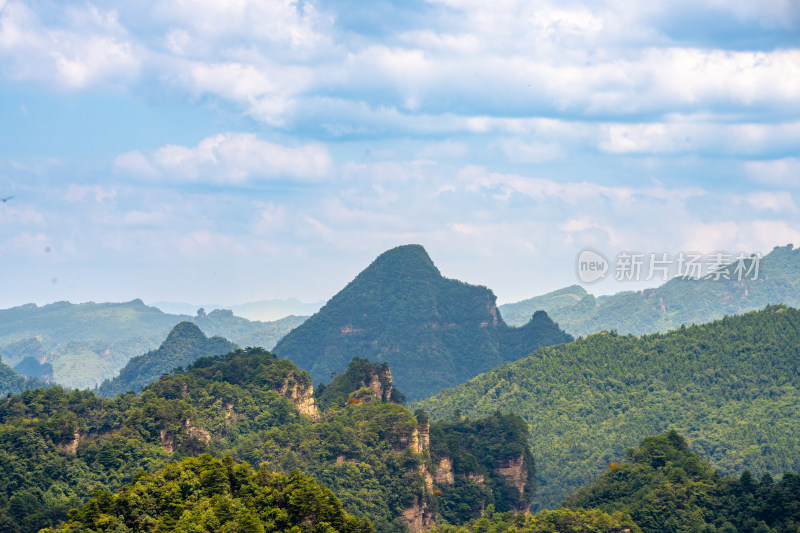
x,y
70,444
515,472
444,472
418,517
302,397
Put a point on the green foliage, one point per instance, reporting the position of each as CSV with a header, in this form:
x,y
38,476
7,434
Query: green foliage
x,y
731,386
206,494
58,447
434,332
360,373
671,305
665,487
184,344
478,448
555,521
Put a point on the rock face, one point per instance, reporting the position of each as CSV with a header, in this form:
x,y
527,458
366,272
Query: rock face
x,y
417,518
70,445
302,397
444,472
434,332
515,473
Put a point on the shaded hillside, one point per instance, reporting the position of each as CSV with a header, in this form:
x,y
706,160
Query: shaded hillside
x,y
90,342
731,386
665,487
433,332
57,447
13,383
185,344
677,302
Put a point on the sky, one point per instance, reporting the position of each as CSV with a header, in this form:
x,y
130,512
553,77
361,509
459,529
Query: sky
x,y
238,150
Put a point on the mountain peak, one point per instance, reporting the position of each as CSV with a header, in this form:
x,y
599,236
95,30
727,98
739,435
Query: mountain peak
x,y
434,332
408,260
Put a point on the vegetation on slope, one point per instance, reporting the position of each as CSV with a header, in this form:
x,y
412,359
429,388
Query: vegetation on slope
x,y
675,303
13,383
731,386
57,447
665,487
184,345
555,521
433,332
206,494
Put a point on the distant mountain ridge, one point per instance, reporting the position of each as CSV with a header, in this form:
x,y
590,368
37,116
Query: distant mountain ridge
x,y
90,342
676,302
262,310
184,345
434,332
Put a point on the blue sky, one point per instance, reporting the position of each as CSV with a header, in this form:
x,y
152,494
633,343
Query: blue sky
x,y
207,151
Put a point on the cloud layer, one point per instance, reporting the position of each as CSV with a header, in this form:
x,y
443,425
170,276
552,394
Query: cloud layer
x,y
504,136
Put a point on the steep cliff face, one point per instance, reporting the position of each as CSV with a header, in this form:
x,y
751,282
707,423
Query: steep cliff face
x,y
362,381
302,397
515,472
418,517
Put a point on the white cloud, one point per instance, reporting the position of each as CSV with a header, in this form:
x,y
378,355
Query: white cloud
x,y
78,193
229,158
533,152
771,201
93,48
782,172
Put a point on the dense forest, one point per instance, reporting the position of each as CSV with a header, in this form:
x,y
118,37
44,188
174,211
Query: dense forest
x,y
667,488
207,494
57,447
434,332
675,303
730,386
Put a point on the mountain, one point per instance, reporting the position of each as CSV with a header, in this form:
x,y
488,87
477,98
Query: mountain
x,y
13,383
262,310
90,342
405,474
675,303
185,344
433,332
666,487
731,386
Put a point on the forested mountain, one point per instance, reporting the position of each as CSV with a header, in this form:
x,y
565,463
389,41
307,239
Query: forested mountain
x,y
185,344
665,487
433,332
57,448
731,386
13,383
675,303
209,494
88,343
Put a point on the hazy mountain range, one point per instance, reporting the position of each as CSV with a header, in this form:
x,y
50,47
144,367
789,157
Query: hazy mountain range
x,y
88,343
263,310
676,302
